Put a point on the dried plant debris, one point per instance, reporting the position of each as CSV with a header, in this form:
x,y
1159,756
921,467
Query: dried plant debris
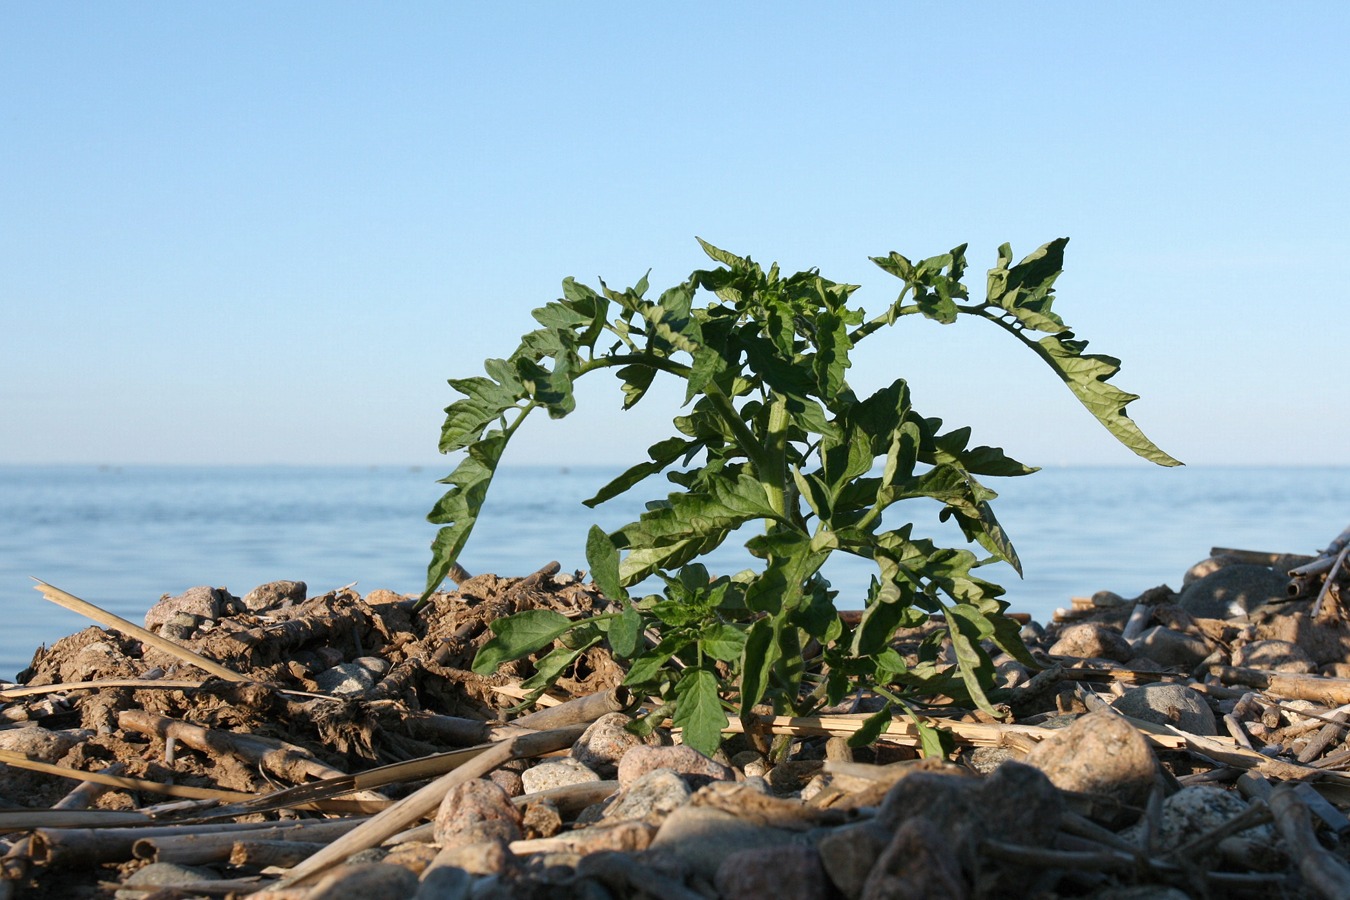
x,y
1170,745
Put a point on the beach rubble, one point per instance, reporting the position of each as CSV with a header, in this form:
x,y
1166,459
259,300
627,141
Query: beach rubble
x,y
1177,744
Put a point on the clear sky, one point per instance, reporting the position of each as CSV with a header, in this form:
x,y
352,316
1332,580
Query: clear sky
x,y
269,232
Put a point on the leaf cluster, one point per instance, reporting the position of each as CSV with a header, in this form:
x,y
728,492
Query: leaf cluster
x,y
771,432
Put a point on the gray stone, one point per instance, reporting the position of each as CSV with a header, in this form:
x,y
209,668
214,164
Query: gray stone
x,y
1174,649
203,602
164,874
474,812
918,862
784,872
681,758
1141,892
274,594
40,743
1233,591
1168,704
1089,640
604,743
363,881
345,680
444,883
1199,809
849,854
649,798
1099,753
1274,656
554,773
702,837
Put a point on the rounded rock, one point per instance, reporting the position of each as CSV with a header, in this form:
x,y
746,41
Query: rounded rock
x,y
1168,704
681,759
1274,656
274,594
1091,641
477,811
1233,590
604,743
554,773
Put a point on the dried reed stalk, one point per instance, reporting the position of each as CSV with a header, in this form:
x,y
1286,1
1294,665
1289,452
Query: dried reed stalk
x,y
130,629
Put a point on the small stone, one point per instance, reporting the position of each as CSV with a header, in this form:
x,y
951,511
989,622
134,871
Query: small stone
x,y
1233,590
541,819
1172,648
445,883
345,680
203,602
163,874
788,872
476,811
40,743
986,759
681,758
751,763
1273,656
1168,704
649,798
1141,892
274,594
1197,810
1099,753
918,862
791,775
554,773
372,664
363,881
508,781
848,854
1108,599
702,837
1091,641
604,743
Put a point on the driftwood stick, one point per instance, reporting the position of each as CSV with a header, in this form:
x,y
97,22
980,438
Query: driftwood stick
x,y
82,846
87,792
284,760
582,709
1317,688
421,803
1323,872
130,629
261,854
207,847
21,761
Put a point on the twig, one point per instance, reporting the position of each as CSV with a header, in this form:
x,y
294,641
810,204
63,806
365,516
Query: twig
x,y
130,629
1323,872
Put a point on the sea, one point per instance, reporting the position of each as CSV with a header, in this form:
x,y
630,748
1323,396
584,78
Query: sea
x,y
122,537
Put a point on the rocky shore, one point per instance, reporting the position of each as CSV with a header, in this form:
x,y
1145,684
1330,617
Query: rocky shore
x,y
1177,744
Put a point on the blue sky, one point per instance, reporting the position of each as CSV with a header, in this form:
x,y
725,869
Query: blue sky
x,y
268,233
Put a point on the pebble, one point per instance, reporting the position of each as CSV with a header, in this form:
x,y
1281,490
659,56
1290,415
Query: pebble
x,y
604,743
1172,648
1233,590
555,773
785,872
1273,656
649,798
364,881
164,874
40,743
203,602
918,862
274,594
680,758
475,811
1090,640
849,854
702,837
1099,753
1168,704
345,680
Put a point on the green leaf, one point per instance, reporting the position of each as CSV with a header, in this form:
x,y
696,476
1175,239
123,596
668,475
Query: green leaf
x,y
625,633
762,651
603,558
967,628
520,635
723,641
873,727
699,710
458,509
661,454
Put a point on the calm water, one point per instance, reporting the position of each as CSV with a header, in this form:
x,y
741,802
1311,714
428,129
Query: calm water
x,y
122,537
